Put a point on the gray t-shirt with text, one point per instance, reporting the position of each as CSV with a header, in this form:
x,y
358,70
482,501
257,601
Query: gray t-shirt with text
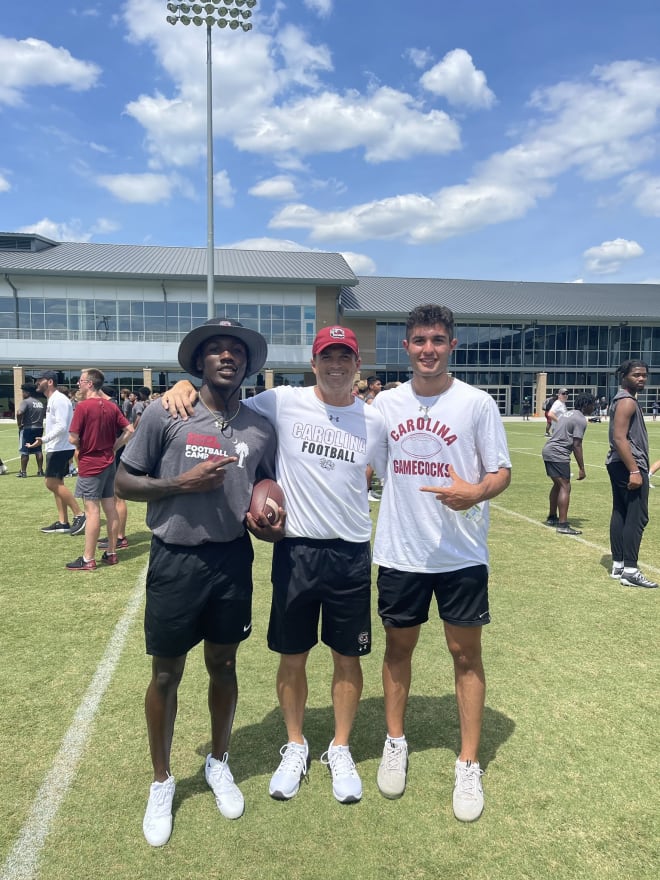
x,y
165,447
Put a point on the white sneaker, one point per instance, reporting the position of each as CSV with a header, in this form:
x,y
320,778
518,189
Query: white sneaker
x,y
393,767
293,768
346,784
372,496
228,796
157,822
468,799
617,571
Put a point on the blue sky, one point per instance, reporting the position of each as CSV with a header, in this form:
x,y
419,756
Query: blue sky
x,y
498,140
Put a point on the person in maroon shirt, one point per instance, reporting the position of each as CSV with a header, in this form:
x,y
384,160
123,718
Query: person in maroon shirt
x,y
97,430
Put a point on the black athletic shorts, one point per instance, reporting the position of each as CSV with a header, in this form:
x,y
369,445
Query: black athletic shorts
x,y
404,597
198,593
57,463
328,579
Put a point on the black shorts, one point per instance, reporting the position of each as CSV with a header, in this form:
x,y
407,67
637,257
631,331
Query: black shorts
x,y
57,463
197,593
404,597
560,469
310,577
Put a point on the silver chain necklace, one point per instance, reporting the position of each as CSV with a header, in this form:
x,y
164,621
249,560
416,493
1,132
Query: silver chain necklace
x,y
221,421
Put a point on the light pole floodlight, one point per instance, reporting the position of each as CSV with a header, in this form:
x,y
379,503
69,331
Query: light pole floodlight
x,y
232,13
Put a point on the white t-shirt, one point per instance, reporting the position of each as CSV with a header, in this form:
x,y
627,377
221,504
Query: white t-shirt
x,y
322,456
59,413
558,408
461,427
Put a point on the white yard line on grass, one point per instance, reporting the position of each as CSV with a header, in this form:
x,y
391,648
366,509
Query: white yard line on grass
x,y
535,522
23,858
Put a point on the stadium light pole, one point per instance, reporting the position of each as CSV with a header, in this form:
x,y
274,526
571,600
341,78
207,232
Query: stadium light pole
x,y
233,14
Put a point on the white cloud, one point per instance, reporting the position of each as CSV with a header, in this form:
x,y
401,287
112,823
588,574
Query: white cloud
x,y
223,191
302,60
609,256
420,58
597,128
258,80
416,218
361,264
646,194
279,187
387,123
456,79
58,231
322,7
264,243
145,189
29,63
5,185
104,226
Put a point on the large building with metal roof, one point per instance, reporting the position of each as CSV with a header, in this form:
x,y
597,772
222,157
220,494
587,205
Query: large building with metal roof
x,y
124,308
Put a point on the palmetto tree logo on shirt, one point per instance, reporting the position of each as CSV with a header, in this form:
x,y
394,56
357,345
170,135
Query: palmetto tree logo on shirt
x,y
242,450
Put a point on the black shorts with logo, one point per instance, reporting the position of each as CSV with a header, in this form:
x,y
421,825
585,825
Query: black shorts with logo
x,y
330,580
198,593
404,597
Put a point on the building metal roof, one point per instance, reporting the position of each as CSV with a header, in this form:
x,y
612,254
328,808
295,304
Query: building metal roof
x,y
383,297
171,263
363,297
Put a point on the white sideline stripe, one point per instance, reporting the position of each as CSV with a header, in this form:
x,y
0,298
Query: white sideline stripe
x,y
23,859
535,522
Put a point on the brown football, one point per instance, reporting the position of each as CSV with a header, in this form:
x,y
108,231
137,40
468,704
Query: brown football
x,y
267,497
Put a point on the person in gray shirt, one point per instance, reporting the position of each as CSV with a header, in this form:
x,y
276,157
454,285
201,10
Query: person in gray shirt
x,y
197,478
566,440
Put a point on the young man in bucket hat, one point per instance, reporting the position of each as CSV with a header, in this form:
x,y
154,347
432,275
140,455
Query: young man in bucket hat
x,y
322,569
197,478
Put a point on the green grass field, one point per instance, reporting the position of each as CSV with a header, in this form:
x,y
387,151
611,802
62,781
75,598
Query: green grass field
x,y
570,739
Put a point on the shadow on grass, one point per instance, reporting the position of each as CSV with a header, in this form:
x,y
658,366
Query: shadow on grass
x,y
139,544
431,723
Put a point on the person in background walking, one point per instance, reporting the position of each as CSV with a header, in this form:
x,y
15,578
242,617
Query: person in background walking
x,y
566,439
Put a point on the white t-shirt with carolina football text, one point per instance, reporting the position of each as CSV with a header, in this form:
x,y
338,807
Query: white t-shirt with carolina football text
x,y
322,456
461,427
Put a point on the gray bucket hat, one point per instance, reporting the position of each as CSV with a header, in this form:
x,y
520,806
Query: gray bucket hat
x,y
257,348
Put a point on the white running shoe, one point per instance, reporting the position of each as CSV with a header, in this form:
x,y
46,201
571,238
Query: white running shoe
x,y
157,822
393,767
228,795
294,766
346,784
468,799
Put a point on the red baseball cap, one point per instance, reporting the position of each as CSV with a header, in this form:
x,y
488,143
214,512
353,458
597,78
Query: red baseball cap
x,y
335,336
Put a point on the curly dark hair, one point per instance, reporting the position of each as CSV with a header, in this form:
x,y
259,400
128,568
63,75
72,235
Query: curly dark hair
x,y
429,316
